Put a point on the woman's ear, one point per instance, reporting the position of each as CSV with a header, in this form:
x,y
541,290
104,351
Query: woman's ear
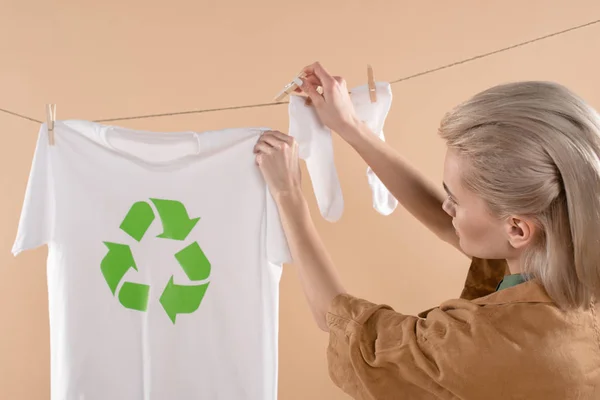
x,y
520,231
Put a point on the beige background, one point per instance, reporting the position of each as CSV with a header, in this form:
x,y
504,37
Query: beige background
x,y
119,58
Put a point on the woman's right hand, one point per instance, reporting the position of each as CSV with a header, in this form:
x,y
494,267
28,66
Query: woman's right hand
x,y
334,107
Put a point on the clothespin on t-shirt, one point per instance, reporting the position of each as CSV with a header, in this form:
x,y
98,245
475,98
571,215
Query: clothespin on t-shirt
x,y
372,87
50,118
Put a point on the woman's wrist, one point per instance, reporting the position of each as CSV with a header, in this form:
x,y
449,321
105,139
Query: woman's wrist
x,y
291,199
354,132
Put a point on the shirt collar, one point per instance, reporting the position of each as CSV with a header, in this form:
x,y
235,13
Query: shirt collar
x,y
510,281
530,291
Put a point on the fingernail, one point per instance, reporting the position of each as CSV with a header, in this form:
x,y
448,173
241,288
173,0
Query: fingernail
x,y
298,81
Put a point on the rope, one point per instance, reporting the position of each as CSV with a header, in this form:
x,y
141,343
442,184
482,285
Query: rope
x,y
426,72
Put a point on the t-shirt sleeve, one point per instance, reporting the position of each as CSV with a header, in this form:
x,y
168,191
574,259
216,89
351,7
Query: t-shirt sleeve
x,y
35,225
374,351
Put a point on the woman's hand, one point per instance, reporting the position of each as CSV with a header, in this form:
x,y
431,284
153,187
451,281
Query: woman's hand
x,y
334,107
277,158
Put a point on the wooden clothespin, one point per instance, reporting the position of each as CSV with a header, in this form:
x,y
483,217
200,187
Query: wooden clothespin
x,y
50,118
290,87
372,87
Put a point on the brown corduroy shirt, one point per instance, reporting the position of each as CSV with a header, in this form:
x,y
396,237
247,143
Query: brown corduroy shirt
x,y
513,343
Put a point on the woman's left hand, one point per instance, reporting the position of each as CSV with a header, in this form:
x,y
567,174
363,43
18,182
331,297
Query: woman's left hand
x,y
277,158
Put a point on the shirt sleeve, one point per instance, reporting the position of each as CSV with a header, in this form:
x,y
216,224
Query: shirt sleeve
x,y
375,352
35,226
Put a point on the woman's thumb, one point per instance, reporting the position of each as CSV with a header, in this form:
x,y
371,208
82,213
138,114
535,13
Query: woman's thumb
x,y
311,91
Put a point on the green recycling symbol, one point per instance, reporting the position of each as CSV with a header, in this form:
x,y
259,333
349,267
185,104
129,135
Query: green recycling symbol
x,y
177,225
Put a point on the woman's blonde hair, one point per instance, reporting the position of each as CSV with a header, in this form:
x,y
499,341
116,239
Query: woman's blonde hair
x,y
533,149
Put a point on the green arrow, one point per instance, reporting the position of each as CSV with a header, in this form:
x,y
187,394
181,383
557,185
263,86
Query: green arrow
x,y
134,296
116,263
194,262
181,299
138,220
175,220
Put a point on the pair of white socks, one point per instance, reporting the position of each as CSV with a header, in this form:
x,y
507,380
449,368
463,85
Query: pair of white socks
x,y
316,148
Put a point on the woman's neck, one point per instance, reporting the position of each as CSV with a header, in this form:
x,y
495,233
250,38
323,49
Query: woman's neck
x,y
514,266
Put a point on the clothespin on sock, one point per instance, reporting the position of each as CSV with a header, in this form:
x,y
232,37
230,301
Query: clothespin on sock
x,y
372,87
50,118
290,87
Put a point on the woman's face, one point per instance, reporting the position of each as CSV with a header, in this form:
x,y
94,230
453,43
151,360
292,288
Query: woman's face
x,y
480,233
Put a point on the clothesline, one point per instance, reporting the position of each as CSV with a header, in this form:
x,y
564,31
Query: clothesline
x,y
426,72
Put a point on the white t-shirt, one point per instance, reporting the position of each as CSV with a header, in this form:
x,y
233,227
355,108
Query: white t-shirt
x,y
165,252
164,256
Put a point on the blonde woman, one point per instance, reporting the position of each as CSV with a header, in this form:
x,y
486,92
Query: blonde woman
x,y
522,183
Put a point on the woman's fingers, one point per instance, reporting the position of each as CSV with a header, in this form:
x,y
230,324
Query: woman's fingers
x,y
309,87
262,147
311,91
319,71
270,140
279,136
316,82
278,140
317,75
312,79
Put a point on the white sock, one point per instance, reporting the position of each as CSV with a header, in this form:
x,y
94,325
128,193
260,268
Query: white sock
x,y
374,115
316,148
